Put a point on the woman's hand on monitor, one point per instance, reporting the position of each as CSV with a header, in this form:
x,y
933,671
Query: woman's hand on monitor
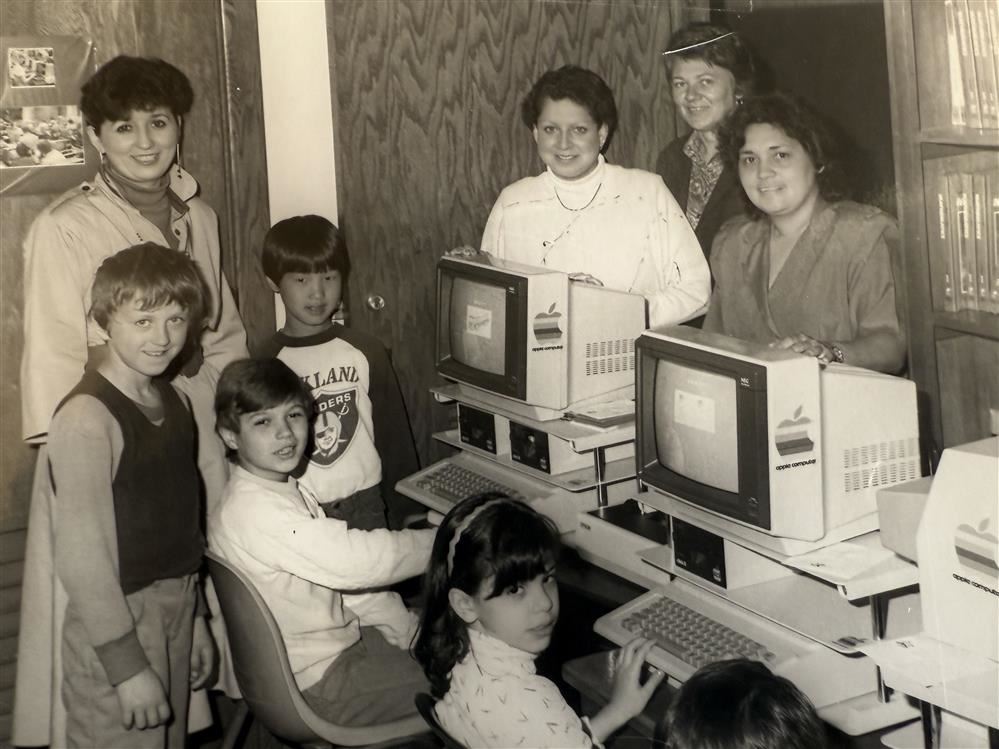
x,y
585,278
806,345
465,250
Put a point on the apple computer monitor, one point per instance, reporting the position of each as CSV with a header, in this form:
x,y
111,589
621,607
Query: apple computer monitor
x,y
530,341
765,446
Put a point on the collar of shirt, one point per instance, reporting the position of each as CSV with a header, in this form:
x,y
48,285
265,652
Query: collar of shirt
x,y
496,658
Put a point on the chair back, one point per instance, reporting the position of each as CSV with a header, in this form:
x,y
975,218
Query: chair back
x,y
425,704
264,675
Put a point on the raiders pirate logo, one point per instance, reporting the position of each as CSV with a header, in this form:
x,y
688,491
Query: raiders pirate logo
x,y
335,427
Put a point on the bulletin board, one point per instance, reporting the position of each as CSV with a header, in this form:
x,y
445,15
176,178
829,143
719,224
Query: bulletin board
x,y
43,145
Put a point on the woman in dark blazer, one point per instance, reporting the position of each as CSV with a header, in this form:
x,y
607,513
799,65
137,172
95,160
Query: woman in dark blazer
x,y
711,71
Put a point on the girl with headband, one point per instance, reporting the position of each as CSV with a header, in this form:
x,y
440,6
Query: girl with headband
x,y
491,605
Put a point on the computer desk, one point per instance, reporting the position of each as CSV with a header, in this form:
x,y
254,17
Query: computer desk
x,y
591,676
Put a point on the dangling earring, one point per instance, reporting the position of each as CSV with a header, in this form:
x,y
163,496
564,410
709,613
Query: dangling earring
x,y
738,100
821,169
179,173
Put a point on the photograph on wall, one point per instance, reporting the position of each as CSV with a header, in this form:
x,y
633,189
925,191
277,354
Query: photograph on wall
x,y
43,146
28,67
41,136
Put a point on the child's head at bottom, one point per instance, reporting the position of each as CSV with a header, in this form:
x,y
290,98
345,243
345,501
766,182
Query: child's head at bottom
x,y
492,569
741,704
263,411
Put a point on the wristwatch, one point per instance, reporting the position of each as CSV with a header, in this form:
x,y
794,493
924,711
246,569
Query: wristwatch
x,y
837,353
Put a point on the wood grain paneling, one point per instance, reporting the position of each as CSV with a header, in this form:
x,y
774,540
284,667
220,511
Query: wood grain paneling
x,y
428,131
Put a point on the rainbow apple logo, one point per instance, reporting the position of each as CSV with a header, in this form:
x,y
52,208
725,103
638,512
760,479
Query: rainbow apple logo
x,y
546,325
978,548
792,434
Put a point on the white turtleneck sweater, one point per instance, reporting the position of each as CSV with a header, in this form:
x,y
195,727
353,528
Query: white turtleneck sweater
x,y
621,226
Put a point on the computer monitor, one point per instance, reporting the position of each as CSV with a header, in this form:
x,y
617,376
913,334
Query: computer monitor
x,y
530,341
765,446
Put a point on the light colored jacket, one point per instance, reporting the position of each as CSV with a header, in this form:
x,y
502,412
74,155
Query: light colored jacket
x,y
66,244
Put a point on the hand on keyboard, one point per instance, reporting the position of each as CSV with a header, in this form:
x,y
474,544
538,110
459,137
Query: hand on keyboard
x,y
629,694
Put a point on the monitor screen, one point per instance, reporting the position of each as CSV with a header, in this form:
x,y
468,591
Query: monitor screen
x,y
696,433
477,325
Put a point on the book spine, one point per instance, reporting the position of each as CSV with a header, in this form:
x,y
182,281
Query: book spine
x,y
980,240
939,236
992,37
985,64
992,237
969,82
959,186
957,106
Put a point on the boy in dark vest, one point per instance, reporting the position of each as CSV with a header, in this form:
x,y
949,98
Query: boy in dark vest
x,y
128,531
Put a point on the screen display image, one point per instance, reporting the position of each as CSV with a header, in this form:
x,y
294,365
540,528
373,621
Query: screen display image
x,y
477,325
696,433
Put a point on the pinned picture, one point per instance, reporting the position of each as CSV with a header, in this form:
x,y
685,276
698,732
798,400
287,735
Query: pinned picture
x,y
41,136
29,67
43,147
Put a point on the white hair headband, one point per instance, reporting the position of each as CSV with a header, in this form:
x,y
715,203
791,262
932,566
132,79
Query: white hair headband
x,y
463,526
699,44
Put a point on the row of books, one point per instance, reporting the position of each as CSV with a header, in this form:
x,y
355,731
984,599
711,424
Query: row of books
x,y
962,212
973,61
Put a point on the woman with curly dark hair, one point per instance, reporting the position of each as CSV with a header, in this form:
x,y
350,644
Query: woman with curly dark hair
x,y
807,271
134,110
491,605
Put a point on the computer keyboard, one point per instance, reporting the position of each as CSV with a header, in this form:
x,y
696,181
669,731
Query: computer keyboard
x,y
691,630
691,636
453,483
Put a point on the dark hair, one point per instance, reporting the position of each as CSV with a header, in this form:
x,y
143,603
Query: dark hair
x,y
154,275
508,540
740,703
729,52
303,244
44,146
797,121
577,84
125,84
250,385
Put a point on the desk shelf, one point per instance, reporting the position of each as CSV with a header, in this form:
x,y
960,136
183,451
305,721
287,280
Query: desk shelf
x,y
579,480
582,437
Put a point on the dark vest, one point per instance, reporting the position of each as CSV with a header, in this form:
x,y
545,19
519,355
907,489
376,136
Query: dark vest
x,y
157,489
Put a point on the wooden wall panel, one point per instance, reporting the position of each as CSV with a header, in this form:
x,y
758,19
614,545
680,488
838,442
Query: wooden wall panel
x,y
427,124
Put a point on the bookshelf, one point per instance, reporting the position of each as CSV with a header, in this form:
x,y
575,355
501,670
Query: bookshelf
x,y
943,71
